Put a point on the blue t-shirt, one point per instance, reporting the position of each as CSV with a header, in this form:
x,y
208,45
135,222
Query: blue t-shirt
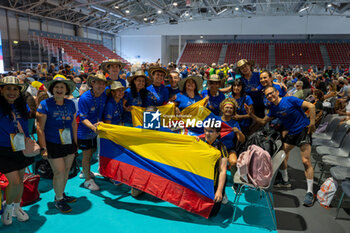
x,y
122,81
290,112
58,117
184,101
172,91
114,111
131,101
214,101
253,82
161,93
242,111
228,140
90,108
9,126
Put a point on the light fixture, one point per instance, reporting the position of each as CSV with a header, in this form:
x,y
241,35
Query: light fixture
x,y
174,3
159,11
201,36
116,7
152,21
191,17
127,11
329,5
145,19
303,9
222,11
15,41
236,8
186,13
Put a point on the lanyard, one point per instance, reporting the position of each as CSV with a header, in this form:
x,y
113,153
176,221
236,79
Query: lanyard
x,y
62,114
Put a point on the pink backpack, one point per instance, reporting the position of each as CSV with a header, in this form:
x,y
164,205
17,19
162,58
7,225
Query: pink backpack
x,y
255,166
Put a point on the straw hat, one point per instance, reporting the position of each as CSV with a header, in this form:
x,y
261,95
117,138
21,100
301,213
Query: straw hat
x,y
12,80
197,79
214,78
63,79
95,77
243,62
137,74
108,62
115,86
153,69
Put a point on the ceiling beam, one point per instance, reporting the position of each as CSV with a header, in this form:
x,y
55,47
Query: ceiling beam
x,y
154,5
207,3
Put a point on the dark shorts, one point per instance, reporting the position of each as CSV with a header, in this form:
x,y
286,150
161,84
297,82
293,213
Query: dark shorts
x,y
87,144
58,151
299,139
13,161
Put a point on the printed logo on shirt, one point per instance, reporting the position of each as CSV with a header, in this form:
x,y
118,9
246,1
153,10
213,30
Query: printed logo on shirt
x,y
151,120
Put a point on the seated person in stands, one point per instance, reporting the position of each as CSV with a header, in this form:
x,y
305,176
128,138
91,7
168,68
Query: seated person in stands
x,y
291,113
299,90
331,91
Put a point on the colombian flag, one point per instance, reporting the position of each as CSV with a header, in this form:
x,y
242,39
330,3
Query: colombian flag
x,y
175,168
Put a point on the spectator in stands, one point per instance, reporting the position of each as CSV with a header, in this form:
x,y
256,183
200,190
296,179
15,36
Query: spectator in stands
x,y
299,129
215,96
189,91
57,136
173,87
44,69
91,105
38,68
137,95
113,111
183,72
13,112
228,109
171,66
299,90
238,93
157,88
331,91
113,67
144,68
52,68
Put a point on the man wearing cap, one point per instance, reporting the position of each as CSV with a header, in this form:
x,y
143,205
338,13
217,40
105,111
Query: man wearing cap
x,y
215,96
91,106
113,67
114,108
157,88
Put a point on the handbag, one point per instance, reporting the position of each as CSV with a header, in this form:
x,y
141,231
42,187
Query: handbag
x,y
32,148
30,188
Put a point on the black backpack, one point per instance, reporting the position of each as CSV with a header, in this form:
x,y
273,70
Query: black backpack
x,y
265,138
43,168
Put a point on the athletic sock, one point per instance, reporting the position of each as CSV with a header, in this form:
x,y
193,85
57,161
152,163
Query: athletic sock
x,y
284,174
16,206
310,183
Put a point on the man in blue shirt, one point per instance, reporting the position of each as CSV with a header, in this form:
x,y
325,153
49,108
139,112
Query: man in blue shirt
x,y
299,128
113,67
161,93
173,88
215,96
91,106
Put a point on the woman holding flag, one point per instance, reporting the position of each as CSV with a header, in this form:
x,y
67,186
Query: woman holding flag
x,y
189,88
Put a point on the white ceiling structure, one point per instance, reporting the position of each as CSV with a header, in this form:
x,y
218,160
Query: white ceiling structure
x,y
115,16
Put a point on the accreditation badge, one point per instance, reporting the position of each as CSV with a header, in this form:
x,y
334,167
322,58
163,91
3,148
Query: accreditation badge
x,y
65,136
17,141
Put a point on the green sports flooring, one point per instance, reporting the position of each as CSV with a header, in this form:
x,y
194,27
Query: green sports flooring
x,y
112,209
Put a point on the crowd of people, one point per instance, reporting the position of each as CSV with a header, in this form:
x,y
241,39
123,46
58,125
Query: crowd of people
x,y
50,102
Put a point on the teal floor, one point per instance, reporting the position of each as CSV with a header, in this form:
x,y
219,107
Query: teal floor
x,y
113,209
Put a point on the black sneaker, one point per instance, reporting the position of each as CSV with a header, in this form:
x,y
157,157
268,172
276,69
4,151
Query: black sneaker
x,y
282,184
309,199
69,199
63,206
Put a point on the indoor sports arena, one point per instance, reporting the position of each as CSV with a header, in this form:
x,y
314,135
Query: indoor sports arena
x,y
175,116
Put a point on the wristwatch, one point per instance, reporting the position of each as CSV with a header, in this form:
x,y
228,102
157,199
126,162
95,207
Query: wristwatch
x,y
43,149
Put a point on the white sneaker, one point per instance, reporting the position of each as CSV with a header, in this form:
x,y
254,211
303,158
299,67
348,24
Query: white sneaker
x,y
6,217
20,214
90,184
82,176
224,199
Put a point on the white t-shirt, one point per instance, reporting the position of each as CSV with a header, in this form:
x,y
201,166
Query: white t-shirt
x,y
348,107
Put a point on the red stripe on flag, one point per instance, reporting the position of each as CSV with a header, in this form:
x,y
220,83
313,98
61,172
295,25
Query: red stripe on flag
x,y
157,186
